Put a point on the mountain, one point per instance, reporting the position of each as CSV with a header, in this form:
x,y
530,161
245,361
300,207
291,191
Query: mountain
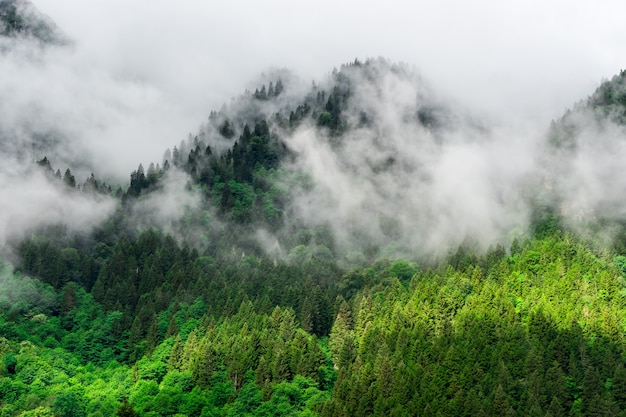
x,y
356,246
363,154
21,19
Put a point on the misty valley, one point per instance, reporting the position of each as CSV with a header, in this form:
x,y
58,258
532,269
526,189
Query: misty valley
x,y
357,245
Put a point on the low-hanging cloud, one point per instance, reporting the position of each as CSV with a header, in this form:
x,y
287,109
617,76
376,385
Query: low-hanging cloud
x,y
399,181
140,74
165,207
584,168
31,200
530,59
59,104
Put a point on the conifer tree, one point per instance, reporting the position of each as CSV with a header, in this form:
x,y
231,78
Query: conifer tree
x,y
69,179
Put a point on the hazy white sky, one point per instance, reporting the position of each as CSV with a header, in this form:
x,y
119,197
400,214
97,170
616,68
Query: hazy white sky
x,y
142,74
523,59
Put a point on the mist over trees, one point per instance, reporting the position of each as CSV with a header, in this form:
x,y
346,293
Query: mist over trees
x,y
353,246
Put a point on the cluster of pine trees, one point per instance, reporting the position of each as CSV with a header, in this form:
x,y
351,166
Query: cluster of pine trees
x,y
537,330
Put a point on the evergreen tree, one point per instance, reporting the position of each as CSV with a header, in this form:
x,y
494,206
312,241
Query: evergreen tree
x,y
69,179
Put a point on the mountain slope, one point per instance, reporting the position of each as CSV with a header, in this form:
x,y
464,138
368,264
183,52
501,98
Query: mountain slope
x,y
529,333
358,246
581,163
371,154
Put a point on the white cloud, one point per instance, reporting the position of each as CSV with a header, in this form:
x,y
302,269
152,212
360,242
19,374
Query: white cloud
x,y
144,73
30,200
397,181
165,207
532,57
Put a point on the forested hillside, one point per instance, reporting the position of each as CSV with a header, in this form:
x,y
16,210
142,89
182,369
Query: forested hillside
x,y
354,246
538,330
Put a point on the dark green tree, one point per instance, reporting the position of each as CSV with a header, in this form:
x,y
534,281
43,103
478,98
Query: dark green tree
x,y
69,179
126,410
68,404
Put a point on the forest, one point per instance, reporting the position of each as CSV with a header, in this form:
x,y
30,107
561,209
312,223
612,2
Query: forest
x,y
241,276
532,330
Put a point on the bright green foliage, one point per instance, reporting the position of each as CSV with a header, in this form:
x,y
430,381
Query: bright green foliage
x,y
68,404
543,317
535,332
620,263
249,399
215,375
38,412
402,269
136,323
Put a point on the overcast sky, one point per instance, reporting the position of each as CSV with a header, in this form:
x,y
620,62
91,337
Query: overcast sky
x,y
518,60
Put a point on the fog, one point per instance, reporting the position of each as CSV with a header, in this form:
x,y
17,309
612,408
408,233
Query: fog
x,y
31,199
586,168
422,188
159,67
140,75
166,205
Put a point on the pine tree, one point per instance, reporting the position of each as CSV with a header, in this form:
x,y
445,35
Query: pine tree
x,y
175,361
340,330
69,179
189,350
69,299
279,87
501,406
264,377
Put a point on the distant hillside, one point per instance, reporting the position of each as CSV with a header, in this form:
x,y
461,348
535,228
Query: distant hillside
x,y
581,163
350,155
